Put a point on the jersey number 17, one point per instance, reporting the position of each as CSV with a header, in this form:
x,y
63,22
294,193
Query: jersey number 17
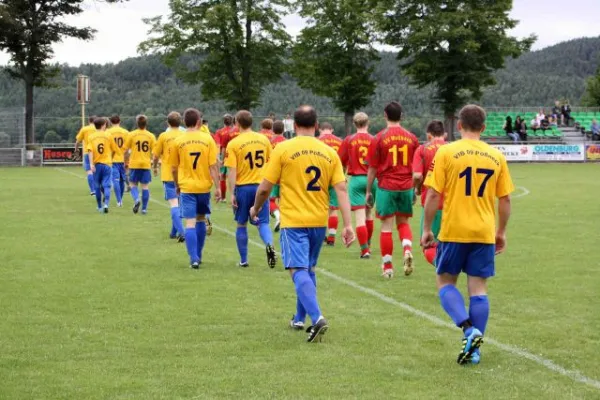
x,y
467,174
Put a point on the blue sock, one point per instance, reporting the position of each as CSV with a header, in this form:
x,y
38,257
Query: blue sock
x,y
118,191
98,192
107,195
191,244
90,179
176,219
241,237
454,304
135,194
173,231
207,215
300,310
200,237
307,293
265,234
479,311
145,198
122,187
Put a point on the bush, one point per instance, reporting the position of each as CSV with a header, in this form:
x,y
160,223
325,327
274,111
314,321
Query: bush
x,y
52,137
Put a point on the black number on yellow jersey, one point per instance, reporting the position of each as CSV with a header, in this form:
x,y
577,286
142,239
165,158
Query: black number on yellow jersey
x,y
258,161
142,146
312,185
119,141
196,156
101,148
468,175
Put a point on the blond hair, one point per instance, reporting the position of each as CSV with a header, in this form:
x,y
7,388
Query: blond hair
x,y
360,120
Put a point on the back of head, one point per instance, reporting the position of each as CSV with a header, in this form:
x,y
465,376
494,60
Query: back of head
x,y
325,126
393,111
227,120
305,117
278,127
266,124
436,128
100,123
174,119
472,118
192,118
361,120
244,119
115,120
92,118
141,121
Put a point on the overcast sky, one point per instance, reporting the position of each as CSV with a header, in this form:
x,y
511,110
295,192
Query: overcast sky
x,y
120,27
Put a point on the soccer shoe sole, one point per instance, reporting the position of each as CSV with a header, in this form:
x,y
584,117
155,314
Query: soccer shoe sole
x,y
387,273
408,264
136,207
465,356
296,327
271,257
318,335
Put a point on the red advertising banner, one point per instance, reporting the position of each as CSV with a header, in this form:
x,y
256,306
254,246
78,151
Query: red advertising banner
x,y
592,152
60,156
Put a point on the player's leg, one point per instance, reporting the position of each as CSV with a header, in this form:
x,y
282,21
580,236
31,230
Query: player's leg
x,y
145,181
430,253
116,177
203,204
122,180
106,185
90,175
333,221
97,182
264,229
386,213
370,213
404,210
127,173
315,236
241,216
134,177
223,184
189,212
176,224
274,207
356,189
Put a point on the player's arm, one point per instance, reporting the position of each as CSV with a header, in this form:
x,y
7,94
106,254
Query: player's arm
x,y
79,139
418,170
338,181
343,153
90,152
272,175
174,163
504,187
231,163
373,164
157,152
213,167
436,183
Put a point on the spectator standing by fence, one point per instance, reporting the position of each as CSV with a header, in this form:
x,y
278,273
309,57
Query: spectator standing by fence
x,y
508,128
556,112
288,125
566,113
595,130
521,128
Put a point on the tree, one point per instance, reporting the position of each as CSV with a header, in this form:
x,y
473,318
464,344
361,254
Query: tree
x,y
52,137
334,54
28,29
456,45
591,98
233,47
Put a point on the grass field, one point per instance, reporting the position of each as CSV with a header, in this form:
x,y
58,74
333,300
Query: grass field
x,y
97,306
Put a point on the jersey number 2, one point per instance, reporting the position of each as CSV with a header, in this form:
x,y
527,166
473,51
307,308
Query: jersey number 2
x,y
312,185
468,175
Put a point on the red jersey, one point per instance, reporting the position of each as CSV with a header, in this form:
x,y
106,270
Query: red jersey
x,y
391,153
276,139
354,151
229,136
422,162
332,141
268,133
220,135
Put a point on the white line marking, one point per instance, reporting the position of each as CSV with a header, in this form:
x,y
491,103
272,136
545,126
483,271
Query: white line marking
x,y
572,374
524,192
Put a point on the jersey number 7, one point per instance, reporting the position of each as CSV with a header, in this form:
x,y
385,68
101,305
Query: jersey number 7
x,y
196,156
468,175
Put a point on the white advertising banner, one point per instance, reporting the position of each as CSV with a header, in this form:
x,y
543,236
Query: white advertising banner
x,y
557,152
514,152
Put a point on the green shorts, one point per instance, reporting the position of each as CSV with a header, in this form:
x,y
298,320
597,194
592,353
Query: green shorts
x,y
394,203
436,225
333,200
357,190
274,192
224,170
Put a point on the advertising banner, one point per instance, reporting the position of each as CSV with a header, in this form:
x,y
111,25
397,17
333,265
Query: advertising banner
x,y
557,152
514,152
61,156
592,152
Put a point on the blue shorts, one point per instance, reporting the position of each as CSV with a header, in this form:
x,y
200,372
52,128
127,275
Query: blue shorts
x,y
86,162
474,259
194,204
103,176
170,190
118,172
142,176
300,247
245,195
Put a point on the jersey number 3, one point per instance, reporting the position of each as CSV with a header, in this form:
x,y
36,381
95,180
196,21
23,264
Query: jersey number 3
x,y
468,175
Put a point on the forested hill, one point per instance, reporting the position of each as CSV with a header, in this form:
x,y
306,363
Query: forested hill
x,y
145,85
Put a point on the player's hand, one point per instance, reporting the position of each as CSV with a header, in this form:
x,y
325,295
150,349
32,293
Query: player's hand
x,y
500,242
369,199
233,201
178,190
254,214
93,168
348,236
427,240
217,194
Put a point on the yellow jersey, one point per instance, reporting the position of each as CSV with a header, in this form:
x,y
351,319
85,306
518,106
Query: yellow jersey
x,y
140,142
119,136
248,153
84,132
305,168
204,129
163,149
102,147
471,175
193,153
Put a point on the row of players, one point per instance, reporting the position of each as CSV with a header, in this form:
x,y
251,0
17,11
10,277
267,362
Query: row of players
x,y
310,172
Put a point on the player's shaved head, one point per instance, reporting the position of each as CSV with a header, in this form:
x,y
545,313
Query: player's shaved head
x,y
141,121
436,128
100,123
325,126
305,117
244,119
472,118
361,120
192,118
227,120
278,127
393,111
266,123
92,118
115,120
174,119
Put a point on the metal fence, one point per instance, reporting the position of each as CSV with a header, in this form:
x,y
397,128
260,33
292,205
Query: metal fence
x,y
12,127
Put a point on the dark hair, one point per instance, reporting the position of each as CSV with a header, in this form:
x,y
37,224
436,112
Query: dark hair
x,y
244,119
227,120
92,118
305,117
174,119
278,127
436,128
393,111
141,121
204,122
99,122
267,123
115,119
325,126
472,118
191,117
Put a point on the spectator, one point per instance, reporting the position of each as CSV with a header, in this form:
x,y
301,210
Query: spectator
x,y
566,113
595,130
521,128
545,124
534,125
553,121
508,128
556,112
288,124
539,117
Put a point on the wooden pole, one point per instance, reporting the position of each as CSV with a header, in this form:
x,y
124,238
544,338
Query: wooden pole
x,y
83,115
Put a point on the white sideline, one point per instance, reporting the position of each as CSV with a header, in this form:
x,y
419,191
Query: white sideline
x,y
572,374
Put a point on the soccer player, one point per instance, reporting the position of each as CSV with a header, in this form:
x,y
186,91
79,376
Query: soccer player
x,y
278,129
353,153
305,168
421,163
471,175
205,128
222,138
140,143
162,151
82,137
266,128
119,136
193,160
246,158
326,136
100,148
390,161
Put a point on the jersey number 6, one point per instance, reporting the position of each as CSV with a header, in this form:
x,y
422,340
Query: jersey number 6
x,y
312,185
101,148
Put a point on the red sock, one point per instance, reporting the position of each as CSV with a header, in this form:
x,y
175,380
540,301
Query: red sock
x,y
223,189
332,225
363,239
272,205
370,229
387,248
430,254
405,236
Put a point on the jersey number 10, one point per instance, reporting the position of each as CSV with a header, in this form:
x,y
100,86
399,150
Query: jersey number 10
x,y
468,175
